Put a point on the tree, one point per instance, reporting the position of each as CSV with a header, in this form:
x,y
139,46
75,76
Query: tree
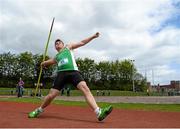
x,y
25,65
140,82
104,71
116,75
87,68
8,69
46,72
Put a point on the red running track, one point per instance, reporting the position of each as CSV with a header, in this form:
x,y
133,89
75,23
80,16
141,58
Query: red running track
x,y
14,115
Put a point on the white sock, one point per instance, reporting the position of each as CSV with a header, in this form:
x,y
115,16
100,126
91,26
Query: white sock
x,y
97,111
40,109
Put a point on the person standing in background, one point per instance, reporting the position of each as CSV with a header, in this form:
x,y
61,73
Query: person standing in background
x,y
20,88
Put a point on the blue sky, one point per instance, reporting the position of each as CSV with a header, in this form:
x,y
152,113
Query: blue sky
x,y
147,31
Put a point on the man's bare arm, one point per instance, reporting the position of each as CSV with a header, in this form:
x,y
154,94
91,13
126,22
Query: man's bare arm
x,y
83,42
48,62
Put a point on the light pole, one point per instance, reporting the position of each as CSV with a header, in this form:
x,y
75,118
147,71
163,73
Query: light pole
x,y
132,66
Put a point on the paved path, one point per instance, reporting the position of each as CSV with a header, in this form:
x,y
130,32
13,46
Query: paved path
x,y
122,99
128,99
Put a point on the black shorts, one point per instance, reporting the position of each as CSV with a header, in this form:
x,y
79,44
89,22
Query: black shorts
x,y
67,77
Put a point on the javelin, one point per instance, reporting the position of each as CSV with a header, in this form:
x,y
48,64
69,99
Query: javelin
x,y
44,56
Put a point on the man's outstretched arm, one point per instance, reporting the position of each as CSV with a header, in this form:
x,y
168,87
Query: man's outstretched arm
x,y
83,42
48,62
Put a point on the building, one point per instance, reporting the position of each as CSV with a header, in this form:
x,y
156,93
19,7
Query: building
x,y
173,86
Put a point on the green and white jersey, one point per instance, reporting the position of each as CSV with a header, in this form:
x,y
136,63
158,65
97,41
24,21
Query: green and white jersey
x,y
65,60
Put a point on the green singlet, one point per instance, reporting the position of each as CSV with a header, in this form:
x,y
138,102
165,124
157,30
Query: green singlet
x,y
65,60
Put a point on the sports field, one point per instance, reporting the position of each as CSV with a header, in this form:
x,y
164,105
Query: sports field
x,y
65,114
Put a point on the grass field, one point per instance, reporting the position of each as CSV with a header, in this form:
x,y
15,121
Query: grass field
x,y
9,91
127,106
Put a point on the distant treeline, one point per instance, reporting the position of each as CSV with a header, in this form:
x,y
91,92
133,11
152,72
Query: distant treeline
x,y
114,75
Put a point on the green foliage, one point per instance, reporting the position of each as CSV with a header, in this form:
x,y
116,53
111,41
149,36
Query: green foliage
x,y
25,65
115,75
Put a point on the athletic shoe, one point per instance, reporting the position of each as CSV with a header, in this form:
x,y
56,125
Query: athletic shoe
x,y
104,112
35,113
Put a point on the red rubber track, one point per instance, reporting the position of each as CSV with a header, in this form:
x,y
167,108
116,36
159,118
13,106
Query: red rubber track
x,y
14,115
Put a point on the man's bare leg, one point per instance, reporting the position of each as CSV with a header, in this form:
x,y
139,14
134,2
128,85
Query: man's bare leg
x,y
101,113
82,86
47,100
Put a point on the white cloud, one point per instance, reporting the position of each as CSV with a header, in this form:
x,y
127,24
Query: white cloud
x,y
168,36
142,14
92,54
129,29
161,74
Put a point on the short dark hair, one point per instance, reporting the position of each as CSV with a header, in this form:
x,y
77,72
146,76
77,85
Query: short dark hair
x,y
58,40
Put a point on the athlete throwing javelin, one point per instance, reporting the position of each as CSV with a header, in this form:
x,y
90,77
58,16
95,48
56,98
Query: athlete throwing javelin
x,y
68,73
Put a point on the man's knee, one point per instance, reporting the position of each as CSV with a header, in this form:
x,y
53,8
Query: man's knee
x,y
83,86
49,97
52,94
